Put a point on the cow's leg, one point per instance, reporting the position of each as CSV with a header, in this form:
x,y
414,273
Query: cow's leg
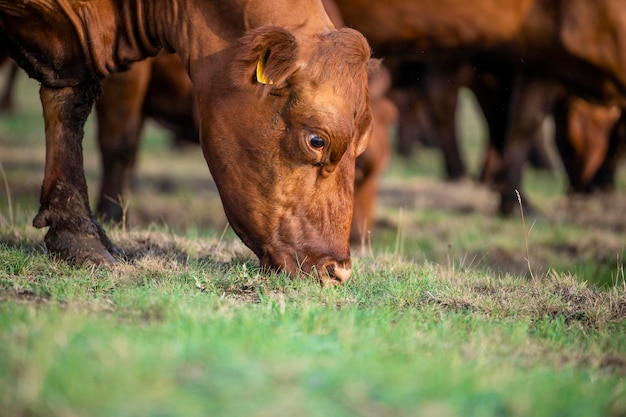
x,y
442,88
365,190
119,119
532,100
492,88
572,162
6,98
74,233
539,156
414,121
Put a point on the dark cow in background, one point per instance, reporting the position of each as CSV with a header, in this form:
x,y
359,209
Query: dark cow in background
x,y
283,104
158,89
576,45
427,95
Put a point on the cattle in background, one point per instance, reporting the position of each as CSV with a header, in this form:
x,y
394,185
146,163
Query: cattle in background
x,y
427,95
283,105
157,88
550,42
371,164
582,129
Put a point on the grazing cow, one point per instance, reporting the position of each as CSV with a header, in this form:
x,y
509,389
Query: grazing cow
x,y
576,43
160,89
590,141
283,104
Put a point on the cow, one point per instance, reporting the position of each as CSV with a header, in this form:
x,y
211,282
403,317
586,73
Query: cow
x,y
590,141
160,89
577,44
283,103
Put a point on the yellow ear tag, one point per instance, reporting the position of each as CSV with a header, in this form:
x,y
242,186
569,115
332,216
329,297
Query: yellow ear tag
x,y
260,72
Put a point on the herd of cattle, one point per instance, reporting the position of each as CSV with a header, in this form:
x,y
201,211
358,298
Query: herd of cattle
x,y
276,92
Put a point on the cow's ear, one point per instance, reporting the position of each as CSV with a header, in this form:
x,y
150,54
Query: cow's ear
x,y
266,56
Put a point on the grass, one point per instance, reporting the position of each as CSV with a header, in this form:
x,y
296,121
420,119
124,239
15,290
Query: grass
x,y
440,319
201,338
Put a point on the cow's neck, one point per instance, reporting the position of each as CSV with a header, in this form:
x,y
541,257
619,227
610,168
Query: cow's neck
x,y
199,29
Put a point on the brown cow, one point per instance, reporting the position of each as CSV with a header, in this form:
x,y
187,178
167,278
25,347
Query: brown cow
x,y
160,89
589,140
548,40
283,102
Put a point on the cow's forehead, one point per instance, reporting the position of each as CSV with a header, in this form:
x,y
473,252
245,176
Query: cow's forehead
x,y
328,104
329,89
334,69
338,58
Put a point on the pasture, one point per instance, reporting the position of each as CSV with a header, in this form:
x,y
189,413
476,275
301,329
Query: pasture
x,y
451,310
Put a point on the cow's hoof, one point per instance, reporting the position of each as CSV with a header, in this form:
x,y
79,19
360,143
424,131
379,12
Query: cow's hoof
x,y
79,248
524,207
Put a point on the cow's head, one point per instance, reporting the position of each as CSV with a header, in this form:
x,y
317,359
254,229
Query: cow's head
x,y
281,137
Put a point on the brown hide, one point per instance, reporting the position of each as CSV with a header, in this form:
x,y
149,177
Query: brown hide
x,y
435,23
283,107
120,119
581,42
169,100
590,126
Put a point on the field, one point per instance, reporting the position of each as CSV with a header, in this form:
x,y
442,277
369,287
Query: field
x,y
451,311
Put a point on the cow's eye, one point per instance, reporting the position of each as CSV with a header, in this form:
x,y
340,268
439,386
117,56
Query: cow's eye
x,y
316,142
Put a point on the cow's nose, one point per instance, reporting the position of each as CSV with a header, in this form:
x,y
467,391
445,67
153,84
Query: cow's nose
x,y
336,273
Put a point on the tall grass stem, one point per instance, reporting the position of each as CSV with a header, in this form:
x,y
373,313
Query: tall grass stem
x,y
526,233
10,203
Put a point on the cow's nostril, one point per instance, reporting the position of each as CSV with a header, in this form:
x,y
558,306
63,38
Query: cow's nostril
x,y
335,274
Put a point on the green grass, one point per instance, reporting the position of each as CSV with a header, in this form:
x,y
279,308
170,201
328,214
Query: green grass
x,y
440,319
160,338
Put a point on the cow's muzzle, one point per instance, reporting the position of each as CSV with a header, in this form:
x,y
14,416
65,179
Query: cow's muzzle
x,y
335,272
